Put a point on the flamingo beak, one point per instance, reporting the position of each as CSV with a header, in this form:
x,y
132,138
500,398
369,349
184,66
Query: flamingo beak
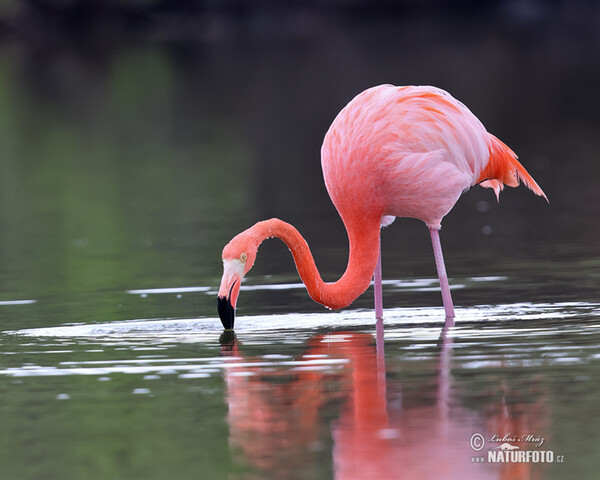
x,y
227,296
226,312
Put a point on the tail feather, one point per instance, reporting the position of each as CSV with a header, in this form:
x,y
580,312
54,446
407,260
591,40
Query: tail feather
x,y
503,168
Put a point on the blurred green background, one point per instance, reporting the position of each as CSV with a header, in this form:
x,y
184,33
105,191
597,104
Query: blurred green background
x,y
137,137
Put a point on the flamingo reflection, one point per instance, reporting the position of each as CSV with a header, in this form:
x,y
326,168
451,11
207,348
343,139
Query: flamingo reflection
x,y
279,415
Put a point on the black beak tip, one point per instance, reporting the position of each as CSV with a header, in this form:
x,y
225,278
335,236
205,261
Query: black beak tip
x,y
226,312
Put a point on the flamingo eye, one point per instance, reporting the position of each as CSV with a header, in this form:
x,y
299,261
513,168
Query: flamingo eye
x,y
243,257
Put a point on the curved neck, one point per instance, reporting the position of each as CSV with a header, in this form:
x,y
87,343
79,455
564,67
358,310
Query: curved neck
x,y
364,252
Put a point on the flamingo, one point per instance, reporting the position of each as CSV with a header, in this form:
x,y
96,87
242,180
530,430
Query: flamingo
x,y
407,151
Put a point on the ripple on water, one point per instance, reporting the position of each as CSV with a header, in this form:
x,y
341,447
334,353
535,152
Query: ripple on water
x,y
510,330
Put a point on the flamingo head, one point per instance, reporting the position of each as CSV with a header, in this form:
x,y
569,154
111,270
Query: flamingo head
x,y
238,258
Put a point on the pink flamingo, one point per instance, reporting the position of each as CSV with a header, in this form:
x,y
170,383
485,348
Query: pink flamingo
x,y
391,152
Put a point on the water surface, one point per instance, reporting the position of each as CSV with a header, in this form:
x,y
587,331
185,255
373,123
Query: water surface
x,y
305,396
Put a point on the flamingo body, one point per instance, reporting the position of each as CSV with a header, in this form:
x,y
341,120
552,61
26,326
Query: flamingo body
x,y
407,152
391,152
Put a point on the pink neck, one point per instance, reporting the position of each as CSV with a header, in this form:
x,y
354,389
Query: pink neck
x,y
364,252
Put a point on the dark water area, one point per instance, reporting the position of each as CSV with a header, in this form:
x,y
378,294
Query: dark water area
x,y
131,153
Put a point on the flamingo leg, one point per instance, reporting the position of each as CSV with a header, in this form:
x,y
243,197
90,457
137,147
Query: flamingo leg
x,y
441,269
378,289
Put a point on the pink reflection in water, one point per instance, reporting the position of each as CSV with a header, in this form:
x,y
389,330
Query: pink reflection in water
x,y
276,416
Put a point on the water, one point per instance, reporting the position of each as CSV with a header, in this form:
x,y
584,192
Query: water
x,y
305,396
127,165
